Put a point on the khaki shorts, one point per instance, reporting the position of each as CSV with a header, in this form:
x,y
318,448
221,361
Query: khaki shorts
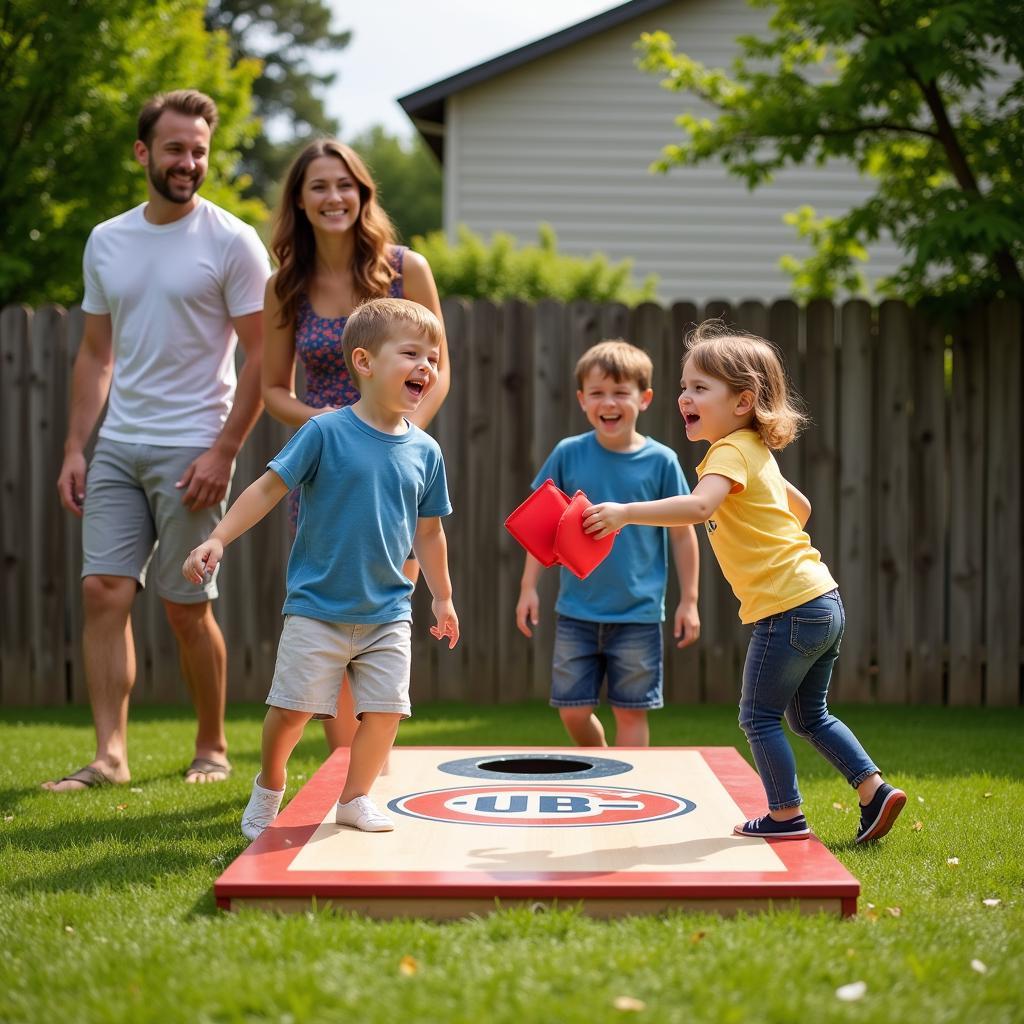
x,y
312,656
134,523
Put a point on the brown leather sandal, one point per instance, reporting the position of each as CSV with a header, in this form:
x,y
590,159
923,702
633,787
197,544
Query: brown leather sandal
x,y
204,766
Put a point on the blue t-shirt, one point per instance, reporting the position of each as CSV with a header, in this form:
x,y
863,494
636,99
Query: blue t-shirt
x,y
362,492
629,585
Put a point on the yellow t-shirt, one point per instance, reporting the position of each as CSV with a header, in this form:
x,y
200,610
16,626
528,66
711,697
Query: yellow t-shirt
x,y
767,559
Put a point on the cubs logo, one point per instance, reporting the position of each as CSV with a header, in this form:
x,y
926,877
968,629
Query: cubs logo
x,y
565,806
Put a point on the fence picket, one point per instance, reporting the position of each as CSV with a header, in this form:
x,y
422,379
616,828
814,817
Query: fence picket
x,y
854,568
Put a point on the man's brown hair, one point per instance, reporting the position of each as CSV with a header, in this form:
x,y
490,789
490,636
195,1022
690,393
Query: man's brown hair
x,y
182,101
379,320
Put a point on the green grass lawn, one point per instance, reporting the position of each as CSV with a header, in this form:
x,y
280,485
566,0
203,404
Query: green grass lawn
x,y
107,912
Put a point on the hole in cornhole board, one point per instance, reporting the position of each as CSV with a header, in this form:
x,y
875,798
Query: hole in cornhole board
x,y
535,766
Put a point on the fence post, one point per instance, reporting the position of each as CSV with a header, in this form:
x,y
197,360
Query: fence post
x,y
15,670
1002,507
858,497
967,510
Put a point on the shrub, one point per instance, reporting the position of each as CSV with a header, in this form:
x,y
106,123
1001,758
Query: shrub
x,y
502,269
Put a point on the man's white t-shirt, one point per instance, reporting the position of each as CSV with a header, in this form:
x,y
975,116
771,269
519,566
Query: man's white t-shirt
x,y
171,291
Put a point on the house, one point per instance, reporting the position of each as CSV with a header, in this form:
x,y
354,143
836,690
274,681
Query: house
x,y
564,129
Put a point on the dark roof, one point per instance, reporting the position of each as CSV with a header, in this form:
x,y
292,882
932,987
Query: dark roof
x,y
426,106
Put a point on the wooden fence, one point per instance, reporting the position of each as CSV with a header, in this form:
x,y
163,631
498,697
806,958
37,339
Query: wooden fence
x,y
913,466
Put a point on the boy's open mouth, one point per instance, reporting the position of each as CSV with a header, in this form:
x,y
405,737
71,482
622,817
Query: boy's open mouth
x,y
415,386
611,417
690,418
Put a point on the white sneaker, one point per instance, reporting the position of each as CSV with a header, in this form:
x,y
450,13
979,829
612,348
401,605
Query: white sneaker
x,y
362,813
261,809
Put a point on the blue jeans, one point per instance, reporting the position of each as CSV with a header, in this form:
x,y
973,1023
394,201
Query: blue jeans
x,y
630,653
787,672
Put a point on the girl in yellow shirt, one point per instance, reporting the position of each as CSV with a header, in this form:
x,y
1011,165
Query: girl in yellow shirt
x,y
735,396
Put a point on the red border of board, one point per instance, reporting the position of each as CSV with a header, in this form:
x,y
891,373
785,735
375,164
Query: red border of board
x,y
261,871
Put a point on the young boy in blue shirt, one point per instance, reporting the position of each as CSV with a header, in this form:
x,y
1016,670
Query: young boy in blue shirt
x,y
610,623
373,489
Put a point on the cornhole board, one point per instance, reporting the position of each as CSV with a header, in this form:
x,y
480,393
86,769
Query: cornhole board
x,y
620,831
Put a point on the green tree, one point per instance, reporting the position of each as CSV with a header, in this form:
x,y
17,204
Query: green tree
x,y
281,34
73,76
502,269
899,88
408,180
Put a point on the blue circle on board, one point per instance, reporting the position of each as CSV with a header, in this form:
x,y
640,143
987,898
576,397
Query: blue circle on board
x,y
535,767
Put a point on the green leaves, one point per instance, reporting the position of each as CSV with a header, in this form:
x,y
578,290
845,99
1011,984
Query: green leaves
x,y
72,80
504,270
912,93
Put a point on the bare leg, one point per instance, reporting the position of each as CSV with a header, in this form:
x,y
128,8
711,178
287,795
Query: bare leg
x,y
109,655
583,726
204,664
282,729
631,727
339,731
370,748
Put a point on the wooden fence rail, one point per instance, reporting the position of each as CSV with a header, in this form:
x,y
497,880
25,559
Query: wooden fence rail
x,y
913,465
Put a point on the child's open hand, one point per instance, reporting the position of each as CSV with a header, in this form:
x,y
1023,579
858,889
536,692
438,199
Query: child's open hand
x,y
527,610
601,520
201,562
447,621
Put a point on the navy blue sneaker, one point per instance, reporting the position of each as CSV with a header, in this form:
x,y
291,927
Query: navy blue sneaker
x,y
768,828
877,817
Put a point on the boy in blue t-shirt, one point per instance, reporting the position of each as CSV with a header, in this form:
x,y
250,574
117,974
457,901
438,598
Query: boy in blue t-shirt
x,y
610,623
373,489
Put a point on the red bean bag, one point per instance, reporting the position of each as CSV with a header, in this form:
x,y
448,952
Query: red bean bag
x,y
550,526
579,552
535,523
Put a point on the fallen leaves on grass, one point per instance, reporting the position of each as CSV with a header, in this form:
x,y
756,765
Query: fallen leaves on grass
x,y
985,796
135,789
917,826
894,911
697,936
8,817
852,992
408,966
952,861
627,1004
121,807
977,965
992,902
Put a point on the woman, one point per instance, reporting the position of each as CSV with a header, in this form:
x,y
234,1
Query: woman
x,y
335,248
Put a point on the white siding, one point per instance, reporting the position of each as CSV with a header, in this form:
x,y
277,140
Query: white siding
x,y
568,139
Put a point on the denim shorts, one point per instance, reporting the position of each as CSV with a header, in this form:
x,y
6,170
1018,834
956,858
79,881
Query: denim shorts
x,y
629,653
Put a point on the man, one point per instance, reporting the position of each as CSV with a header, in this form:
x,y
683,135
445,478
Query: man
x,y
169,285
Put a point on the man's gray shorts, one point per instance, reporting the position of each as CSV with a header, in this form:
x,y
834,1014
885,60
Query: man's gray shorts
x,y
313,655
131,503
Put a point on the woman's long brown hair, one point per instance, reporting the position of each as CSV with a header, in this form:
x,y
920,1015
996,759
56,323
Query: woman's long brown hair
x,y
294,245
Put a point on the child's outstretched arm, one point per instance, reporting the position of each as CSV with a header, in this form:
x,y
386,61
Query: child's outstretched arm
x,y
682,510
798,504
248,509
528,605
686,557
431,549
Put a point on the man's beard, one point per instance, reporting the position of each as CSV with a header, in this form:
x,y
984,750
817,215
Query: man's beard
x,y
161,184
